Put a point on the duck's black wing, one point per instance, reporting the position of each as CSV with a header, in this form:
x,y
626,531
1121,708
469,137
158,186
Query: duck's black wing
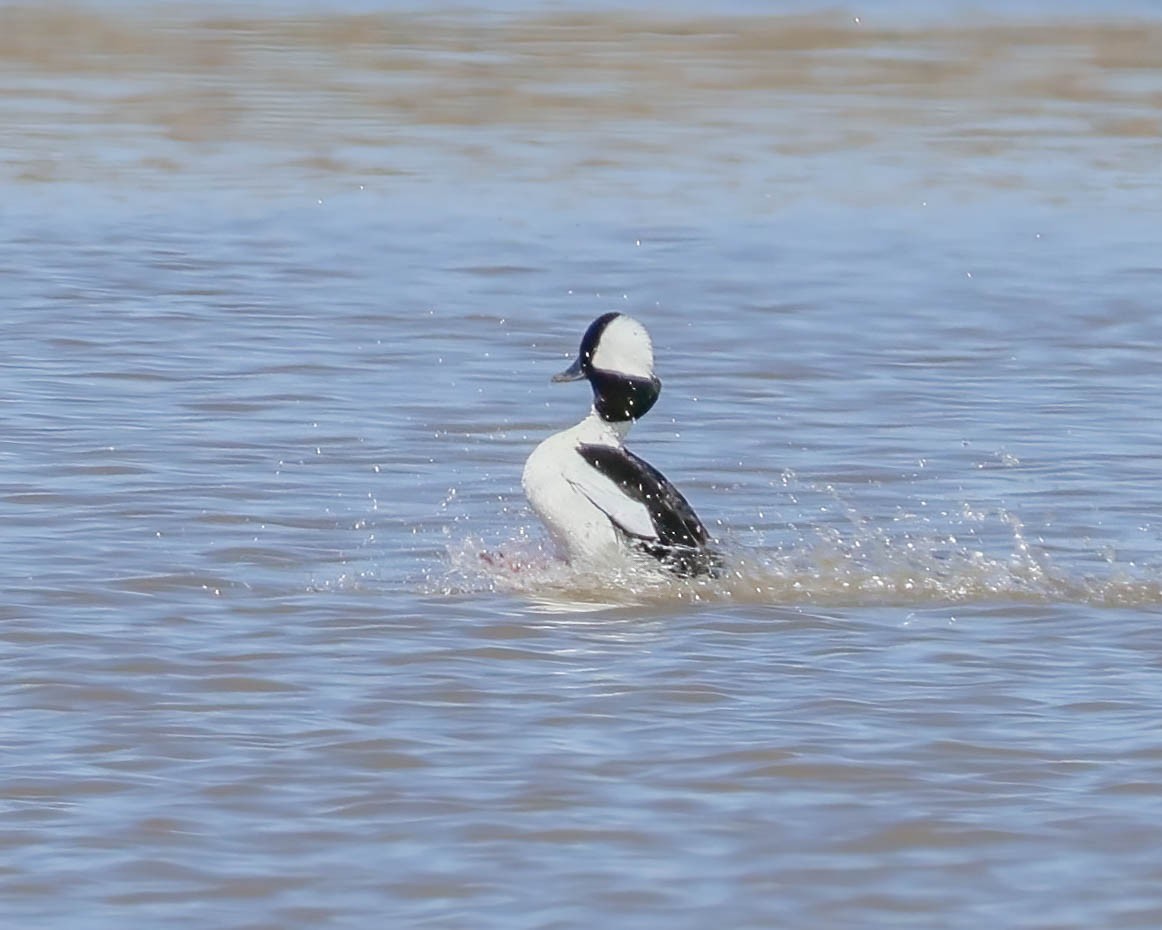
x,y
679,539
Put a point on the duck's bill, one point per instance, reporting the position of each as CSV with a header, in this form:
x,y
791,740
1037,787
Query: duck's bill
x,y
572,373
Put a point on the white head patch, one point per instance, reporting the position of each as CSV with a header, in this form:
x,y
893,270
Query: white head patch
x,y
625,348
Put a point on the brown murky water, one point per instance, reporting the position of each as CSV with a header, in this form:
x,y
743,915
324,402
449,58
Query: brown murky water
x,y
155,97
282,291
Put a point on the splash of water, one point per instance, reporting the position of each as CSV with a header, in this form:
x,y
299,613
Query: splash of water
x,y
857,564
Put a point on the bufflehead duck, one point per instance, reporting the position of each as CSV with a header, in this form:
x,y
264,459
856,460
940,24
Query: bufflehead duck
x,y
596,497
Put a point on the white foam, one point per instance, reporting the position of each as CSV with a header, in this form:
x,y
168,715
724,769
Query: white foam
x,y
860,566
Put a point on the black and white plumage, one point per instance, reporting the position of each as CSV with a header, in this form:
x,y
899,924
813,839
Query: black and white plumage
x,y
597,498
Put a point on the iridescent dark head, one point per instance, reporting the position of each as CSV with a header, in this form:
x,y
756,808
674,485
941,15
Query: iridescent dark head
x,y
617,358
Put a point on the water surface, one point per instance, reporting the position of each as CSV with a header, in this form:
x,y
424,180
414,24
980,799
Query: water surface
x,y
282,294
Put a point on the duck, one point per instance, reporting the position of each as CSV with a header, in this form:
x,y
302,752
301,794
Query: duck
x,y
598,500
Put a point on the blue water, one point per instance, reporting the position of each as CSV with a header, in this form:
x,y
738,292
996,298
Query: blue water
x,y
282,295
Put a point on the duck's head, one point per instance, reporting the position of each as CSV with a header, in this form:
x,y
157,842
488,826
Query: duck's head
x,y
617,358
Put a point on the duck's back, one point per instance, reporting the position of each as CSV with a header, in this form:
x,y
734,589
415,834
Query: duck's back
x,y
555,481
598,500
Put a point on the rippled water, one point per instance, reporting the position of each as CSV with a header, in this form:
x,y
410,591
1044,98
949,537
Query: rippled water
x,y
281,297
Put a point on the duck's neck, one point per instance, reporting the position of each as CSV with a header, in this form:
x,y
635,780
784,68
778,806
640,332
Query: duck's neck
x,y
600,428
